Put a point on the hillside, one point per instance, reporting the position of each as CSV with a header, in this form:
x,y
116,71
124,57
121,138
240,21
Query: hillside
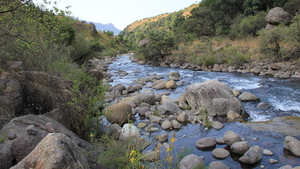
x,y
106,27
204,27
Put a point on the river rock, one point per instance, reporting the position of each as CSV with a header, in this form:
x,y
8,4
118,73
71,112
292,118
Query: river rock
x,y
217,68
231,115
231,137
218,165
217,125
56,150
129,130
267,152
240,147
220,140
150,156
162,138
176,124
168,108
166,125
191,161
278,15
161,85
272,161
263,106
174,76
155,119
206,143
256,70
246,96
214,96
182,117
143,110
171,84
118,113
292,144
253,155
220,153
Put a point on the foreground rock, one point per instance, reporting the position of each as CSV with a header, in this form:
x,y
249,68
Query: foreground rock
x,y
231,137
218,165
292,144
253,155
118,113
191,161
43,92
17,128
214,96
56,150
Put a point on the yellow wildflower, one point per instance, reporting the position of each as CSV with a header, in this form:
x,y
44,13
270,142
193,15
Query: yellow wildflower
x,y
173,139
169,149
169,158
133,152
132,160
92,135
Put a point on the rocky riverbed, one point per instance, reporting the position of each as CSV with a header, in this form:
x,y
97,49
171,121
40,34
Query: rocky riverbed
x,y
160,116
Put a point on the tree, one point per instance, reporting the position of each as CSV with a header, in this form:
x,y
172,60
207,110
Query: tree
x,y
160,45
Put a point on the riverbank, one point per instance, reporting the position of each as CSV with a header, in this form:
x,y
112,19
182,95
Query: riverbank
x,y
282,70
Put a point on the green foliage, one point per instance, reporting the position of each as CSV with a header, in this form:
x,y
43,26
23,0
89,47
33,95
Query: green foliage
x,y
272,42
3,137
160,45
204,117
91,102
233,55
247,26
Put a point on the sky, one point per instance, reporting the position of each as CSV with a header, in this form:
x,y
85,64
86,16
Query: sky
x,y
121,12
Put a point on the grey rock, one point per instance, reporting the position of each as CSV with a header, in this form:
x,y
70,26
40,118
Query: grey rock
x,y
217,125
191,161
166,125
292,144
214,96
267,152
220,153
231,137
56,150
206,143
246,96
277,15
240,147
253,155
218,165
176,124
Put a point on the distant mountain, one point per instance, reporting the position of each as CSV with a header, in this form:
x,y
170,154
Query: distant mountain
x,y
106,27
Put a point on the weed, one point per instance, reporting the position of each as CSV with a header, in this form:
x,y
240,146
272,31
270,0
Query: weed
x,y
2,138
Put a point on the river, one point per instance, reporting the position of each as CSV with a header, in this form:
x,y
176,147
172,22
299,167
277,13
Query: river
x,y
281,94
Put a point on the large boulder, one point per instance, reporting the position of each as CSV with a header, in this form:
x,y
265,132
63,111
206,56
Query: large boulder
x,y
191,161
118,113
43,92
277,15
56,150
214,96
17,126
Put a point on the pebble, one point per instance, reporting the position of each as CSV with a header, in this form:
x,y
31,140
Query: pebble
x,y
31,130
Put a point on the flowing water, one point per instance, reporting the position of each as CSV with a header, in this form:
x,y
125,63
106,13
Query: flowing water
x,y
281,94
